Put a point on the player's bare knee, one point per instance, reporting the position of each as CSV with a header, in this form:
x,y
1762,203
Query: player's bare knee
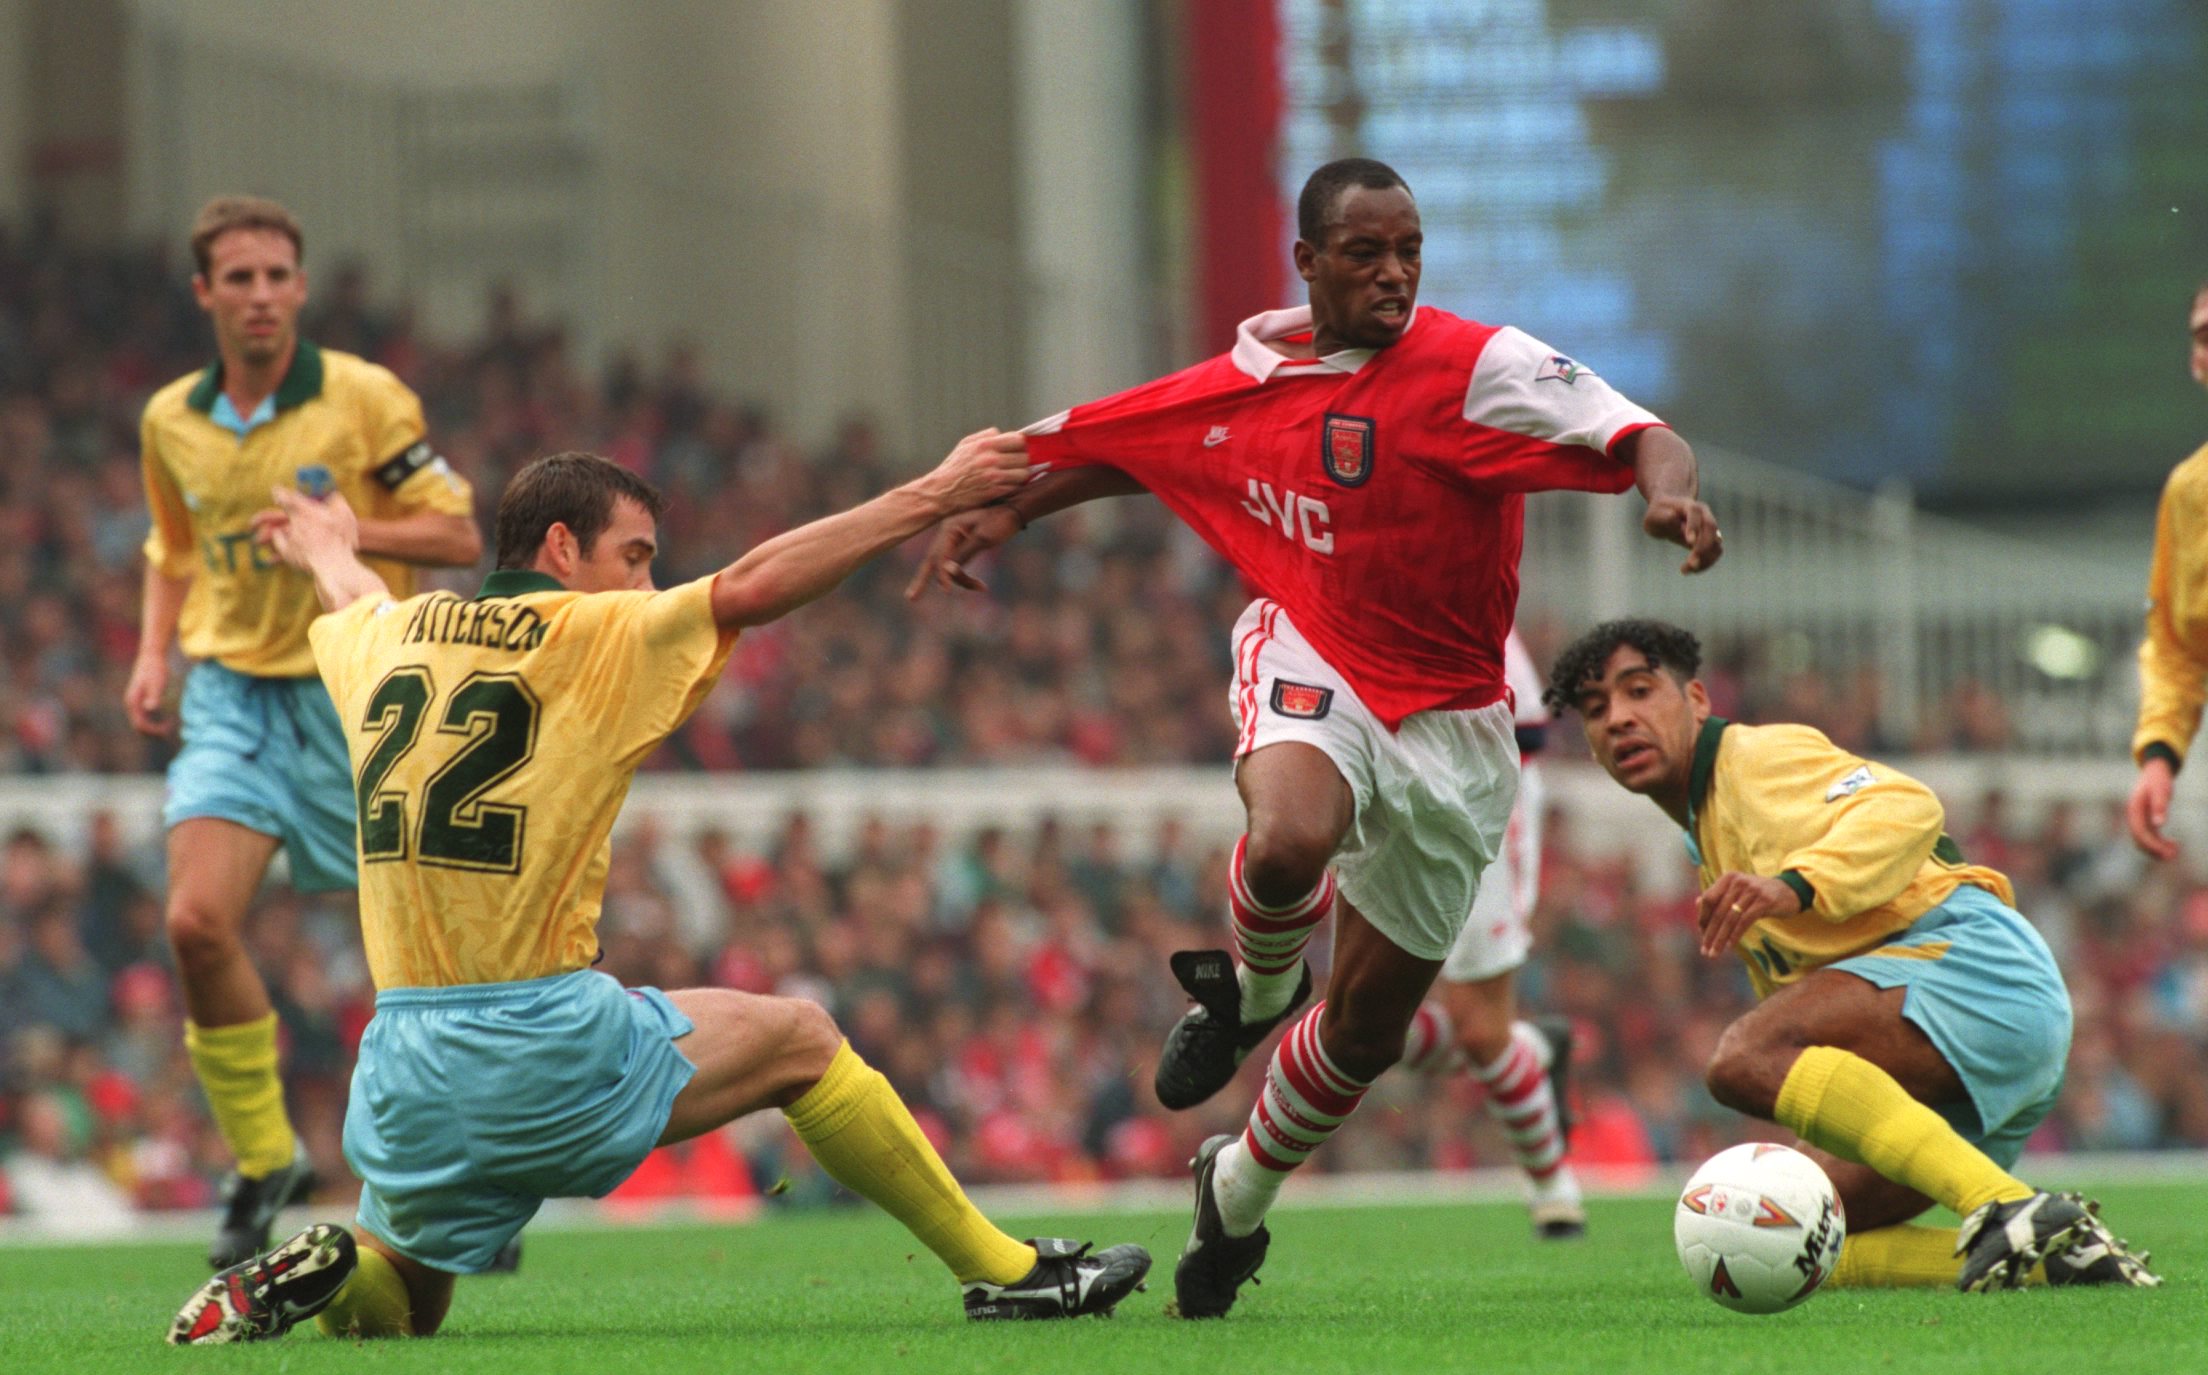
x,y
431,1298
200,936
803,1038
431,1292
812,1040
1744,1074
1482,1042
1360,1046
1284,859
1481,1016
428,1291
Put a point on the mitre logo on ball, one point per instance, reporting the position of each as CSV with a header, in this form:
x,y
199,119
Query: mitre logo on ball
x,y
1759,1227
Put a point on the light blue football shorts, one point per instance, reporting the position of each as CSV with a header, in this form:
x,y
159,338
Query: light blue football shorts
x,y
472,1105
269,754
1984,987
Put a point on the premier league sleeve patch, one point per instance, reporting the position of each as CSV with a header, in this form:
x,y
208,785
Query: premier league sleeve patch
x,y
1851,785
1557,368
1345,447
1301,700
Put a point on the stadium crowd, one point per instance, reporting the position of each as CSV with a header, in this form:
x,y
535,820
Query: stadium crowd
x,y
1012,985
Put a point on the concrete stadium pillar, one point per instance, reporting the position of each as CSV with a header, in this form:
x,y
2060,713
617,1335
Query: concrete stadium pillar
x,y
751,199
16,59
1084,199
73,119
958,118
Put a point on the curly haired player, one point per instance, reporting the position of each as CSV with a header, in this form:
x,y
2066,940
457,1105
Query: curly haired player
x,y
1912,1028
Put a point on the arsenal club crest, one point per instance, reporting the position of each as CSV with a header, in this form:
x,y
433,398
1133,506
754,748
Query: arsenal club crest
x,y
1301,700
1345,446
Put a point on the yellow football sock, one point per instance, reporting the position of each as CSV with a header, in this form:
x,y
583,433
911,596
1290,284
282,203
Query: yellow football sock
x,y
372,1303
236,1065
1903,1257
858,1129
1845,1104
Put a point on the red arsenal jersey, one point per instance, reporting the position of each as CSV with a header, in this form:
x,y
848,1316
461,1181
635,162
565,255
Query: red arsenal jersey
x,y
1377,494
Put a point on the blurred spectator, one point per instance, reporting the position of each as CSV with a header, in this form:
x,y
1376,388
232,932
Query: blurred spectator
x,y
1010,981
59,984
50,1181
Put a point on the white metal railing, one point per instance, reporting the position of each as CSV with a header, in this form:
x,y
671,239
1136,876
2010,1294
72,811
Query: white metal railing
x,y
752,809
1825,580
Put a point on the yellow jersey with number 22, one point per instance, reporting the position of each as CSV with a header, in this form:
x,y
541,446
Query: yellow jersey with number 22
x,y
492,742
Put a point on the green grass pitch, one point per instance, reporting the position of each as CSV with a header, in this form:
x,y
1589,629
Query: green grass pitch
x,y
1408,1288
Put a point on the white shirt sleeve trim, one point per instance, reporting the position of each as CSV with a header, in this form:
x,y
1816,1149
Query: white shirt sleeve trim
x,y
1523,386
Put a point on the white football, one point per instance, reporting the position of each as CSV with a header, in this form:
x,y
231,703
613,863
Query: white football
x,y
1759,1227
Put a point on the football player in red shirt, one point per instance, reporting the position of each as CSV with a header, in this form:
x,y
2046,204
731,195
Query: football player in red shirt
x,y
1363,462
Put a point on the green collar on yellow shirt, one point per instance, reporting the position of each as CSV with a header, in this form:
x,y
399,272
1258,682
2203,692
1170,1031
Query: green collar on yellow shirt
x,y
1705,764
302,381
517,582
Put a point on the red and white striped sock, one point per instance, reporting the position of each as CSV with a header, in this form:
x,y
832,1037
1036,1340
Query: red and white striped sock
x,y
1430,1048
1269,941
1306,1098
1518,1097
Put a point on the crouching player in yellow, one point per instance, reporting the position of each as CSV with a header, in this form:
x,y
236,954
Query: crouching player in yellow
x,y
493,741
1912,1028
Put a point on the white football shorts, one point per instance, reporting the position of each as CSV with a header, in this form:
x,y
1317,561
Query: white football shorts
x,y
1500,934
1433,799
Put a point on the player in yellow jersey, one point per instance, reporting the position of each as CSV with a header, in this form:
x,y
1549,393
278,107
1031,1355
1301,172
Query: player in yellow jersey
x,y
494,739
2173,659
263,763
1912,1028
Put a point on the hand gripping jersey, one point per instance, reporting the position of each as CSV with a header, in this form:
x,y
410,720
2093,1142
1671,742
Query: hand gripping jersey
x,y
493,741
1377,494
